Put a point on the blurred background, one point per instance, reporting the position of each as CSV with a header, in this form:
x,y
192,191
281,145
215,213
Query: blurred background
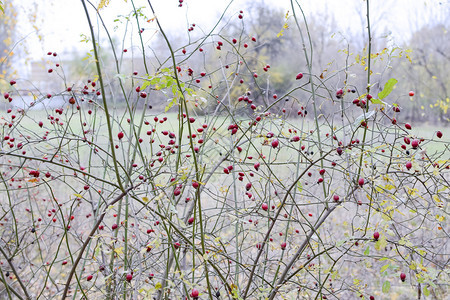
x,y
410,43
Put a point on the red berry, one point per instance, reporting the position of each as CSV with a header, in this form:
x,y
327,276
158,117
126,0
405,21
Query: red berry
x,y
403,277
275,143
336,198
408,165
194,293
415,143
376,235
264,206
120,135
114,226
195,185
408,126
439,134
411,93
283,245
361,181
129,277
89,277
191,220
299,76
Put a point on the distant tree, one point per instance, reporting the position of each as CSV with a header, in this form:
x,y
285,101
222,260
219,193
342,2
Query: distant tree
x,y
427,74
8,22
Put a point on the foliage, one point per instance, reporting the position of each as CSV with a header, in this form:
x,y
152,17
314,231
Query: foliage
x,y
8,22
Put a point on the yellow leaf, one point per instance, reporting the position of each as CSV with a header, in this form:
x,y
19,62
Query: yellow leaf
x,y
158,285
103,3
119,251
436,199
436,171
145,199
440,218
389,187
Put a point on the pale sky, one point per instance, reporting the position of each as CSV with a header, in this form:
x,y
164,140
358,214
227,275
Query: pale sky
x,y
62,21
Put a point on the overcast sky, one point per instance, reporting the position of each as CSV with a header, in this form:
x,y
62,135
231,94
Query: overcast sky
x,y
61,22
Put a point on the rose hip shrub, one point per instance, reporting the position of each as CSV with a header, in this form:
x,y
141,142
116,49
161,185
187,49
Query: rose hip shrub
x,y
258,195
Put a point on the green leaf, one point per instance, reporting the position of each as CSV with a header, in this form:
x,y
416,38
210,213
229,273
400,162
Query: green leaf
x,y
383,268
388,87
426,292
377,101
299,187
147,83
155,80
97,251
171,103
386,287
367,251
381,243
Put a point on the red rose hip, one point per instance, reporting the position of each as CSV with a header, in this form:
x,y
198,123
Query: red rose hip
x,y
361,181
376,235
